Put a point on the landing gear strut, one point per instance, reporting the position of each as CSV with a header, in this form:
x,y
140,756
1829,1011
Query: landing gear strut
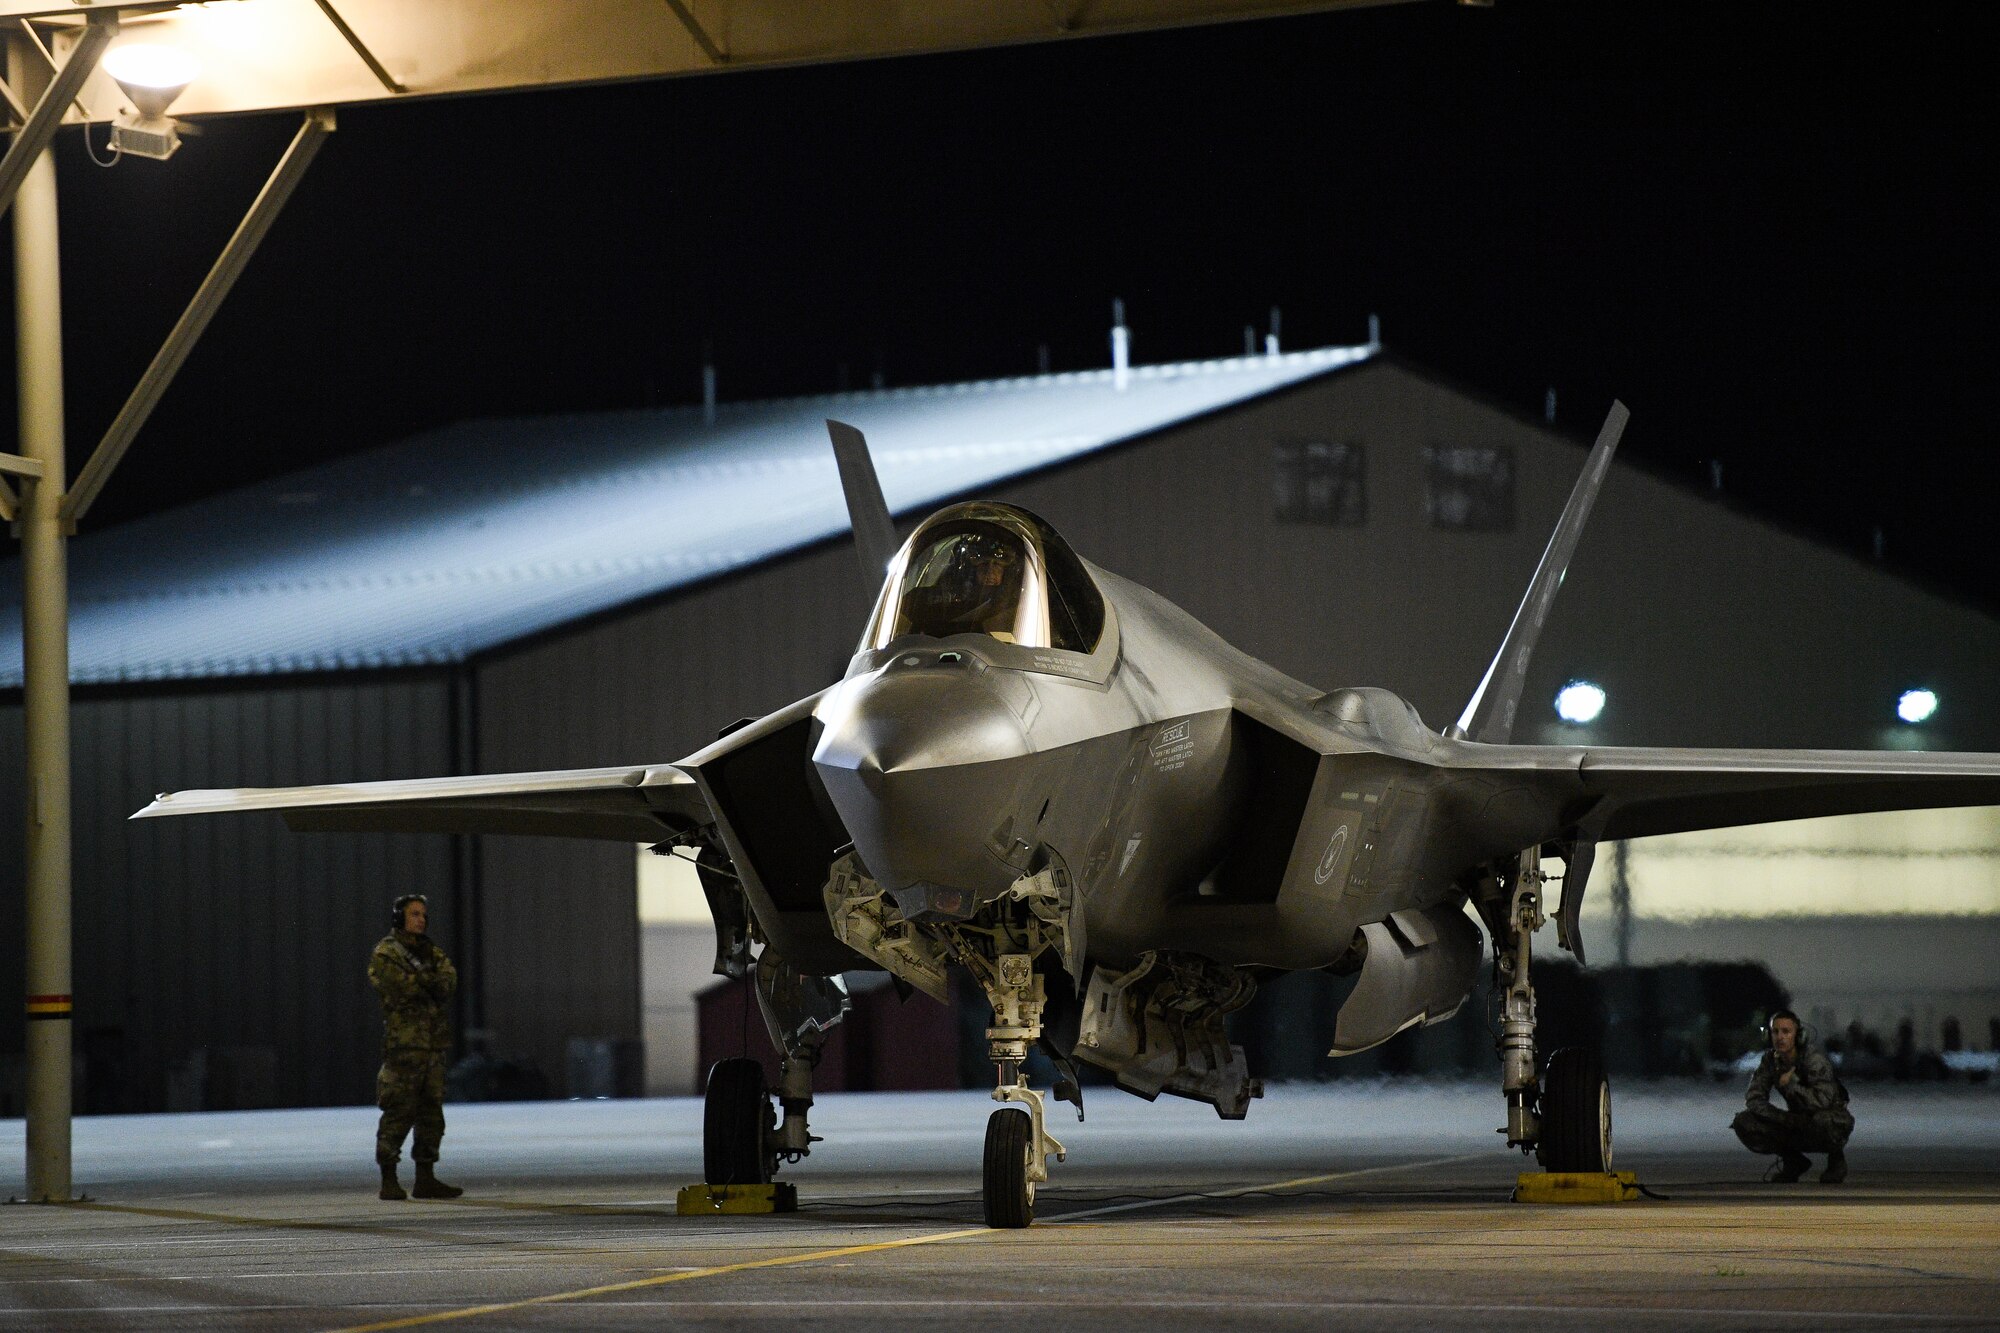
x,y
1018,1145
1564,1116
1517,1005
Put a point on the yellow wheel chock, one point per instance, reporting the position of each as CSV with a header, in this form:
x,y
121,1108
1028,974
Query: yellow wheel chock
x,y
1576,1187
719,1200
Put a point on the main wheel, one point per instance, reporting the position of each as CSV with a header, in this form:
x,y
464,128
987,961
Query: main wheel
x,y
1008,1193
736,1124
1576,1113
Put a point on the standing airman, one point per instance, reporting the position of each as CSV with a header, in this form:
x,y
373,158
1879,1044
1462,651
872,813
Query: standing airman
x,y
416,982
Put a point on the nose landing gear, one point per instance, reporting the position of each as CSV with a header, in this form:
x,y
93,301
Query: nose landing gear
x,y
1018,1145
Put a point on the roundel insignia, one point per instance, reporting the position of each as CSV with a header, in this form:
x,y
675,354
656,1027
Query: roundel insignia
x,y
1334,848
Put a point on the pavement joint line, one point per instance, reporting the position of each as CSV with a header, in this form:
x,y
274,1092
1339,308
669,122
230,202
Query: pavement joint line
x,y
281,1223
1212,1196
638,1284
565,1209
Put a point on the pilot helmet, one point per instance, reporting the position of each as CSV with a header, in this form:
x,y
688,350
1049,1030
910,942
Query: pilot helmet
x,y
984,548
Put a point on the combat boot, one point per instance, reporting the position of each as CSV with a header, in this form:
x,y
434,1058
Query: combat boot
x,y
392,1188
1836,1168
428,1186
1791,1167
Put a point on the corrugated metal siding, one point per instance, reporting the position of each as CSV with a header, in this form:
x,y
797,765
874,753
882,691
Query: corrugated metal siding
x,y
560,944
660,683
233,932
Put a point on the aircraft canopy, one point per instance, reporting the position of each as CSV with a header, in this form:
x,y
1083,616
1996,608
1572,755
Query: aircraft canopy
x,y
988,569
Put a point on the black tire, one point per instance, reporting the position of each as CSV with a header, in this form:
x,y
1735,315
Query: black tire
x,y
736,1125
1576,1113
1009,1201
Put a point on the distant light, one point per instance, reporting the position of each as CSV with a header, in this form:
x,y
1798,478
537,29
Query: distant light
x,y
1579,702
144,65
1916,706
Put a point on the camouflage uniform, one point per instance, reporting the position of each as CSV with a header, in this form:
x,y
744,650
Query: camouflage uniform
x,y
416,982
1816,1118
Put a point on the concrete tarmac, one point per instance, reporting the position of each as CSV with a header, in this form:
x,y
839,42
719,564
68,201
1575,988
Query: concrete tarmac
x,y
1332,1207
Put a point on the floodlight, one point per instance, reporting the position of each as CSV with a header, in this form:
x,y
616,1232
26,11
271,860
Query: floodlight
x,y
152,76
1916,706
1579,702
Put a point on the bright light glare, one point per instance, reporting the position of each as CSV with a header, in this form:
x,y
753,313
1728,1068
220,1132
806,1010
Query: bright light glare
x,y
1916,705
1579,702
147,66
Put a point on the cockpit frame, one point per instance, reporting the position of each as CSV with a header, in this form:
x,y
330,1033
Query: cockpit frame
x,y
1059,600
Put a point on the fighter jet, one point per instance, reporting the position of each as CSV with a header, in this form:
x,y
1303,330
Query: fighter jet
x,y
1053,780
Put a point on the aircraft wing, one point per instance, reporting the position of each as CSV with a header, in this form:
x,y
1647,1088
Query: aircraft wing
x,y
644,804
1649,791
1639,792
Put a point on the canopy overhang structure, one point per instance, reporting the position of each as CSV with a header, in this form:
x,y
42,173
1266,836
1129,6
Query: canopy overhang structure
x,y
274,55
312,56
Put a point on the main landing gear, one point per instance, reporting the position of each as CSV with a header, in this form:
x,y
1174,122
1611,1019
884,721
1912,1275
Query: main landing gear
x,y
743,1141
1563,1116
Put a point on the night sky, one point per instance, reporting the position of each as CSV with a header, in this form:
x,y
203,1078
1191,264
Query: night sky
x,y
1769,228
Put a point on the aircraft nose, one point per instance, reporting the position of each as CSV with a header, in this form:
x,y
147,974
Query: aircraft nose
x,y
913,722
922,768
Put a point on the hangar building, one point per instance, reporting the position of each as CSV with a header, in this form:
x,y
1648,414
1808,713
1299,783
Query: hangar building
x,y
580,591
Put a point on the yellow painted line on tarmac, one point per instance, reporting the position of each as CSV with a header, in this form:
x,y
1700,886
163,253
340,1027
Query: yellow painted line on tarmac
x,y
782,1261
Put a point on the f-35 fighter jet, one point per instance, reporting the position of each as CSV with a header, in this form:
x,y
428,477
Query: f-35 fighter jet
x,y
1056,781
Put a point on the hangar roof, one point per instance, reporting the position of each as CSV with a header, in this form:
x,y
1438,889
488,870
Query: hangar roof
x,y
436,548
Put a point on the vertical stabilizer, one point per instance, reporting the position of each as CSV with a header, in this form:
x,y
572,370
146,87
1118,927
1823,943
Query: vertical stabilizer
x,y
1489,715
874,531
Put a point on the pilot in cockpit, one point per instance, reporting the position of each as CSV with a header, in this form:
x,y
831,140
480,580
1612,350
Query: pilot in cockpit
x,y
971,584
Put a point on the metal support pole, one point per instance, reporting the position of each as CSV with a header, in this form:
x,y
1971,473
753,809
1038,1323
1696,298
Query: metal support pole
x,y
716,55
353,39
208,298
34,138
1621,900
13,465
45,670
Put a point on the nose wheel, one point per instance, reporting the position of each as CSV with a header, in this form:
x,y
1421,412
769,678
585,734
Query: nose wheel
x,y
1008,1194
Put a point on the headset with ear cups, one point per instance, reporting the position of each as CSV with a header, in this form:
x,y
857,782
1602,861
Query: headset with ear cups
x,y
1804,1038
396,908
